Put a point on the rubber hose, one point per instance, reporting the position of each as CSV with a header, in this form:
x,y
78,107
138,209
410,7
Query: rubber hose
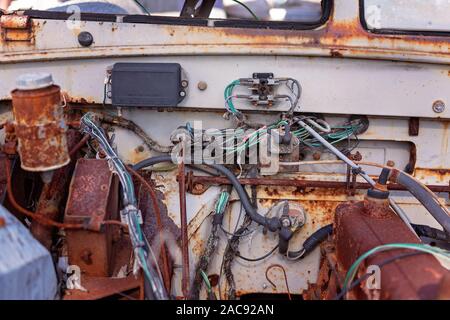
x,y
424,197
272,224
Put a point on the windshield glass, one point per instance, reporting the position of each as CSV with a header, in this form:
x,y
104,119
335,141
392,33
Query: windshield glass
x,y
305,11
407,15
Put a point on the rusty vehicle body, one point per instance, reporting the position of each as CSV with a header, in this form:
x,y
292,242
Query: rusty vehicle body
x,y
58,177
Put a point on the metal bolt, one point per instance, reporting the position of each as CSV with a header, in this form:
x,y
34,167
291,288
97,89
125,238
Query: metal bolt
x,y
86,256
202,85
85,39
390,163
316,156
286,222
198,187
439,106
182,94
140,149
184,83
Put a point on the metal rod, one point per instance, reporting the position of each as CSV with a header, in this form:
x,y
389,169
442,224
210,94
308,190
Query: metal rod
x,y
338,154
184,229
301,183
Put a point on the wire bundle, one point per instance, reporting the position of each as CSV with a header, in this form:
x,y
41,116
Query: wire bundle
x,y
336,134
140,244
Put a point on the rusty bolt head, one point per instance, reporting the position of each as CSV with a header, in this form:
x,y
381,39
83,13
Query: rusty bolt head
x,y
198,187
140,149
439,106
390,163
86,256
2,222
316,156
202,85
357,156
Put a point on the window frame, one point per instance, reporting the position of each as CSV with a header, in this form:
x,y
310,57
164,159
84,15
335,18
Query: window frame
x,y
327,8
390,31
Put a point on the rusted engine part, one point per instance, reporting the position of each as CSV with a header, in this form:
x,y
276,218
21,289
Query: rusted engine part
x,y
39,123
53,194
199,184
158,228
93,198
364,225
103,251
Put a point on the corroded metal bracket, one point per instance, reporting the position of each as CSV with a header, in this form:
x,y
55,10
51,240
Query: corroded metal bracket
x,y
15,27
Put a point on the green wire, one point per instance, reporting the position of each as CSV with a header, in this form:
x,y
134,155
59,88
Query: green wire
x,y
206,280
222,202
227,94
247,8
413,246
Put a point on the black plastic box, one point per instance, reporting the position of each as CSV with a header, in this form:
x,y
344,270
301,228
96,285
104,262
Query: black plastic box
x,y
146,84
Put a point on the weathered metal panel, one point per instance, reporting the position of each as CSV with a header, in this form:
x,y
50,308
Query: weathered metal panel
x,y
338,86
26,267
93,198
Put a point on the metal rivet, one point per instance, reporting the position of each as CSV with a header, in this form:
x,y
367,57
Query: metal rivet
x,y
85,39
140,149
184,83
182,94
202,85
439,106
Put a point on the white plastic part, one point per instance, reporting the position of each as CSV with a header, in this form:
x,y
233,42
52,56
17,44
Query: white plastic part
x,y
26,267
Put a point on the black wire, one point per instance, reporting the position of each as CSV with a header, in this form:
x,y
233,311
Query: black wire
x,y
367,275
271,224
268,254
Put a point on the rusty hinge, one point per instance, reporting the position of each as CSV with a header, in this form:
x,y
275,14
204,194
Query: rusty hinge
x,y
15,27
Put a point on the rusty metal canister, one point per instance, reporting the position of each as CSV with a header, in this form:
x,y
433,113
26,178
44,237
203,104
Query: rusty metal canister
x,y
39,123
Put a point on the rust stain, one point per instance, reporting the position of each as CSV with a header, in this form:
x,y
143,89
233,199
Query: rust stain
x,y
440,174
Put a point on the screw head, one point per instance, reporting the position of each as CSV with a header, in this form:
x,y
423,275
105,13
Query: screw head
x,y
390,163
182,93
184,83
202,85
439,106
85,39
199,187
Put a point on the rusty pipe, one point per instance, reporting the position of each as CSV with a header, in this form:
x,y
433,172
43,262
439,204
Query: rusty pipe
x,y
300,183
184,229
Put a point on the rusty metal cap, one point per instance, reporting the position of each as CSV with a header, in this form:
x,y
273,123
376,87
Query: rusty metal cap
x,y
33,81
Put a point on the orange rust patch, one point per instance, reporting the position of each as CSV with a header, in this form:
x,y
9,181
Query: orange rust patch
x,y
440,174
